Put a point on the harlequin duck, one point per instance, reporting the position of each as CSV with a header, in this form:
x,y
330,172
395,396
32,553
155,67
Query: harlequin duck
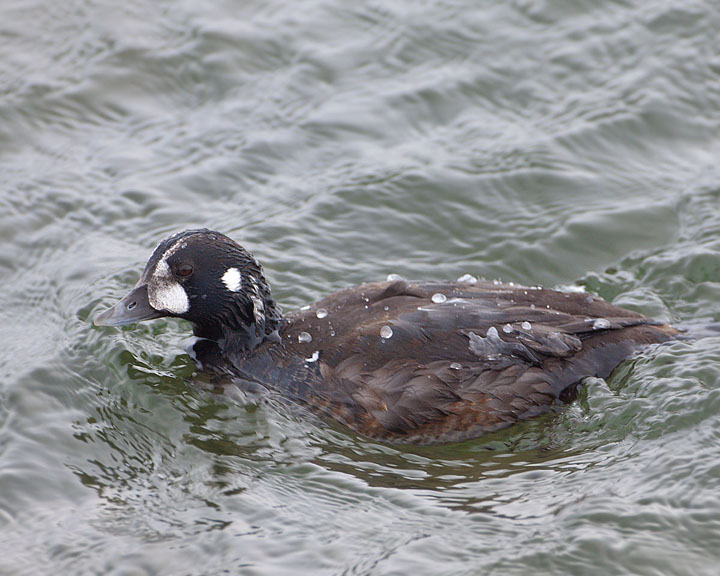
x,y
397,361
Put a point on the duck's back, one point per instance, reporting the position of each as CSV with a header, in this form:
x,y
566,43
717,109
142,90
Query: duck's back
x,y
442,362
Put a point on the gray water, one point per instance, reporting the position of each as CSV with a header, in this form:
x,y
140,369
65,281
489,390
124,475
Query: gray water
x,y
571,144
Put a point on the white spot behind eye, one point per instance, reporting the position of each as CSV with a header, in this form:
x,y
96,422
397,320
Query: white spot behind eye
x,y
232,279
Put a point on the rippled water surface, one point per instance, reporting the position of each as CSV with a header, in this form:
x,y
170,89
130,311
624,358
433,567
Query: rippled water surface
x,y
556,142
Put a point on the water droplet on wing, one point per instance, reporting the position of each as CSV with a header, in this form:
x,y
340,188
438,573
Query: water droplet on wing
x,y
601,324
467,279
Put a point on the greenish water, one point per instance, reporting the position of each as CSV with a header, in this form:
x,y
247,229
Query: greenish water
x,y
570,144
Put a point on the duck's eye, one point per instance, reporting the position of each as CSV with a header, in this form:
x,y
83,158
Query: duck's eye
x,y
184,270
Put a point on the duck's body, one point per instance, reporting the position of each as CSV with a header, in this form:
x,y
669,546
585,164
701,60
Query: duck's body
x,y
399,361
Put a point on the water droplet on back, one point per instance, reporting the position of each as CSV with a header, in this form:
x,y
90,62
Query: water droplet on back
x,y
386,332
439,298
304,338
394,277
467,279
455,365
526,325
507,329
321,313
601,324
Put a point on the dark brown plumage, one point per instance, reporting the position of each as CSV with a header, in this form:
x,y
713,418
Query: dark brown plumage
x,y
418,362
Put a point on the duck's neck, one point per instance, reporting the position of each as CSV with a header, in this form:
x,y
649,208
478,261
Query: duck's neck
x,y
242,327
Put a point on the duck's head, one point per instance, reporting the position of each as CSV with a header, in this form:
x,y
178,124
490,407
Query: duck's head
x,y
204,277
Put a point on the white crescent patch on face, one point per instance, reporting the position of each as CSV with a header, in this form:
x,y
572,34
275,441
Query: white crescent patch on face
x,y
165,293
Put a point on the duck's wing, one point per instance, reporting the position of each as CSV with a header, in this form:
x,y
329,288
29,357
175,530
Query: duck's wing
x,y
433,362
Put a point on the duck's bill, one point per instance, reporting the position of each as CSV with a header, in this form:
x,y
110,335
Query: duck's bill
x,y
135,307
